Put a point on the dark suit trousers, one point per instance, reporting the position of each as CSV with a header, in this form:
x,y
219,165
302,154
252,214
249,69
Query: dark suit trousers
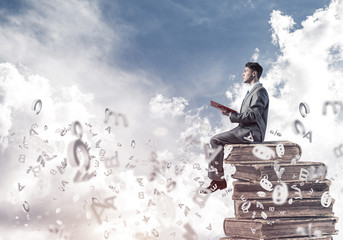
x,y
235,135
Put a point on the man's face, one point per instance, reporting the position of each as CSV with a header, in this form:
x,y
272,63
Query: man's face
x,y
248,75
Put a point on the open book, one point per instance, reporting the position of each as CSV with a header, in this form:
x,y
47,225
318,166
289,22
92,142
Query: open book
x,y
219,106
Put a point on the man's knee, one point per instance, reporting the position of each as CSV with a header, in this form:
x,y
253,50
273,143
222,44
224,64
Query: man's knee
x,y
222,139
214,142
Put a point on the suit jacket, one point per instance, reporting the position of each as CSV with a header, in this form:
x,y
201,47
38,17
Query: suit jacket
x,y
253,114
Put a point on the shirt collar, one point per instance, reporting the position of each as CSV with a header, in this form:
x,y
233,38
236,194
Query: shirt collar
x,y
255,84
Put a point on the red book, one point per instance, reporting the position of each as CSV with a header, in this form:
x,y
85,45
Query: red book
x,y
219,106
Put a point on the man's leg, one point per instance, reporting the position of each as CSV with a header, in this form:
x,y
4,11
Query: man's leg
x,y
217,162
216,168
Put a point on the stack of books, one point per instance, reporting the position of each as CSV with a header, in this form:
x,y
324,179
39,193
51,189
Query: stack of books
x,y
277,196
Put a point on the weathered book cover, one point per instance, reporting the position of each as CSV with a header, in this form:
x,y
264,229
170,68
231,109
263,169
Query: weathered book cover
x,y
257,209
296,189
296,238
279,227
304,171
282,151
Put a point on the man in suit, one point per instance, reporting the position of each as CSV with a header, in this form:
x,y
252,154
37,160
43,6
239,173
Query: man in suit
x,y
252,120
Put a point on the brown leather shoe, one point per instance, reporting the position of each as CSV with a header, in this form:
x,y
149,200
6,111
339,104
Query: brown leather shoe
x,y
214,186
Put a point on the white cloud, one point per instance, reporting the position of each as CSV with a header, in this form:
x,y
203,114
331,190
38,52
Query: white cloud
x,y
18,92
256,55
304,71
248,3
281,26
229,95
161,131
166,156
161,106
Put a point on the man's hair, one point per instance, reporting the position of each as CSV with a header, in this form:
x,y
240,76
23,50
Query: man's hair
x,y
254,66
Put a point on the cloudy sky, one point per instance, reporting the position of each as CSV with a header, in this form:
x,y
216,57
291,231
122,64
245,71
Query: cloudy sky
x,y
155,65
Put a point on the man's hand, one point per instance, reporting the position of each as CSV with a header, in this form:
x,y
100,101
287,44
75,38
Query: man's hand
x,y
224,111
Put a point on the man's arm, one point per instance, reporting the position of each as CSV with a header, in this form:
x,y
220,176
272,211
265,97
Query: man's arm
x,y
225,111
259,102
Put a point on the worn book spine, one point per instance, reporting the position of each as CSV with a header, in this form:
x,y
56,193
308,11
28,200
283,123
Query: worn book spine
x,y
266,209
276,228
304,171
282,151
296,238
296,189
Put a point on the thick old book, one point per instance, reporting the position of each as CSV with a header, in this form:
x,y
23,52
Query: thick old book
x,y
257,209
304,171
279,227
296,238
282,151
297,188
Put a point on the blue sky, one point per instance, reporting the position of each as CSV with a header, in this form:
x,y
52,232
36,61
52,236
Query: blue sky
x,y
180,41
158,64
